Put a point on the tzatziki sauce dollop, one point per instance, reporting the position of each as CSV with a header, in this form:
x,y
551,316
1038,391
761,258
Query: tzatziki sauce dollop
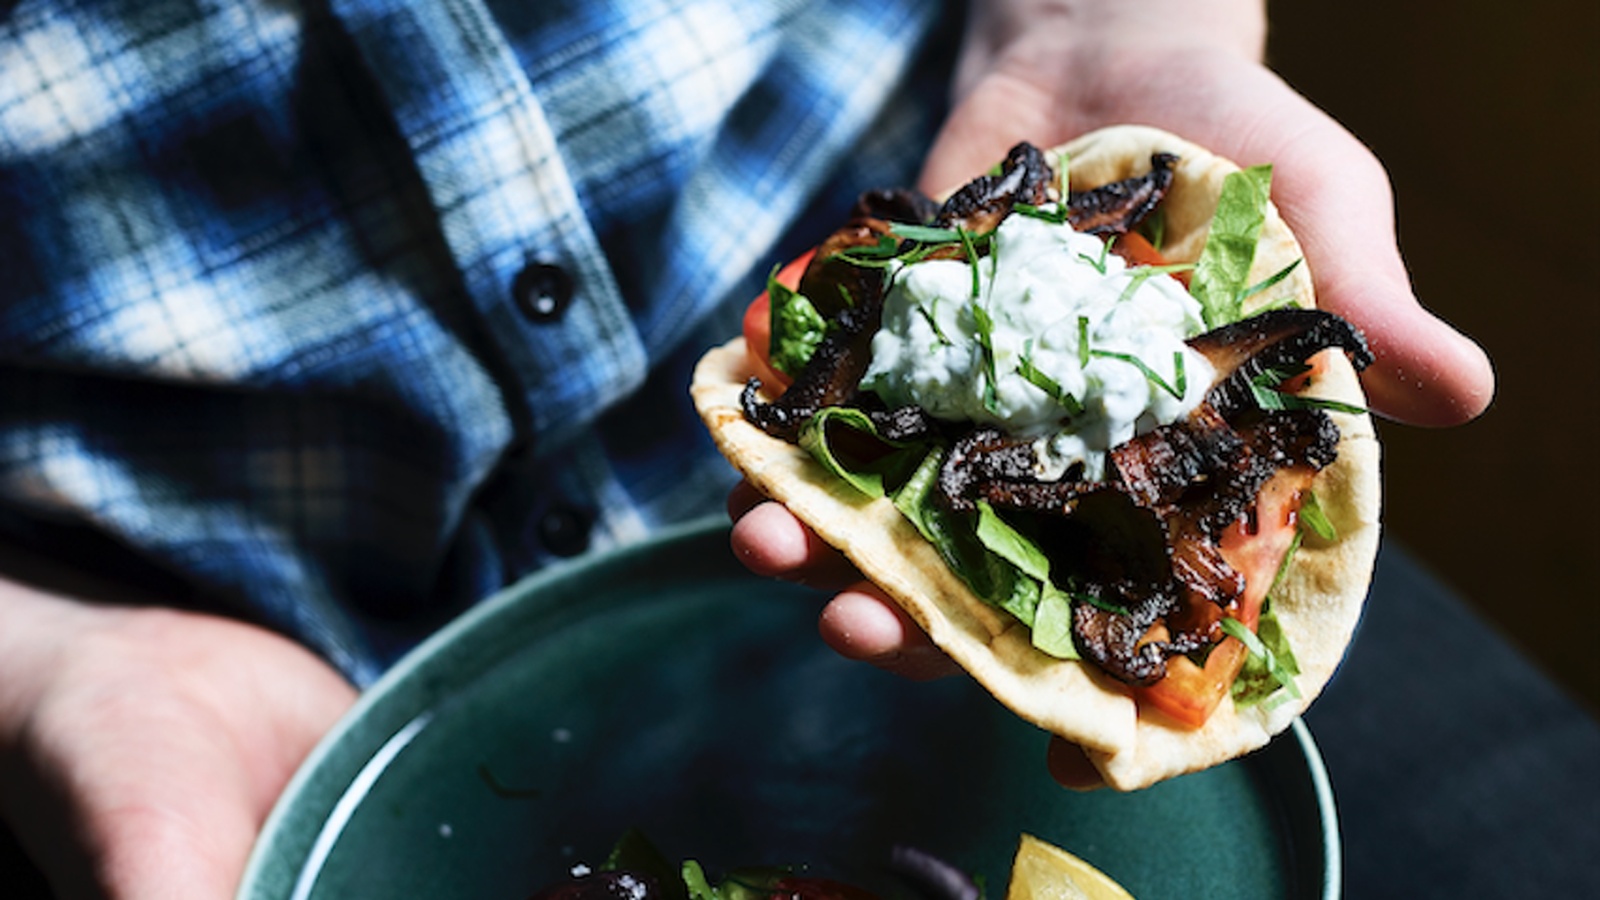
x,y
1040,287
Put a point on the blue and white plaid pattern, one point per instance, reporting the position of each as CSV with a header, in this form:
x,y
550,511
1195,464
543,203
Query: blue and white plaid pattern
x,y
257,337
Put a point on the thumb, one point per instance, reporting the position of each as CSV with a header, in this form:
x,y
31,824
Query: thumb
x,y
1336,198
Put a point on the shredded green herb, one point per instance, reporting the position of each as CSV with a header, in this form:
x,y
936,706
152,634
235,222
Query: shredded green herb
x,y
1269,281
1039,379
796,326
1100,263
1264,388
1097,603
1313,518
971,250
1270,667
1176,390
1141,274
933,323
927,234
984,333
1056,215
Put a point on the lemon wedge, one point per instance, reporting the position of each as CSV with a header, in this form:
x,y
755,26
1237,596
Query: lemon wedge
x,y
1043,871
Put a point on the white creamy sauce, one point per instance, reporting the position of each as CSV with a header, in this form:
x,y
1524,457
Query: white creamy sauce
x,y
1038,282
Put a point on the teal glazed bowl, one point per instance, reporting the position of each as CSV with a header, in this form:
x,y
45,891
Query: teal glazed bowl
x,y
664,688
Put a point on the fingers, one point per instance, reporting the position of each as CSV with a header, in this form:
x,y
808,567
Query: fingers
x,y
861,623
1336,198
1331,190
771,542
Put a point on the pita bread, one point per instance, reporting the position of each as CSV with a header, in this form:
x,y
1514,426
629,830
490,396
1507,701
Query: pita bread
x,y
1318,604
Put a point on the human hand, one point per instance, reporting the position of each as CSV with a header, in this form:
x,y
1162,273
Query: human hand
x,y
1049,70
141,748
860,622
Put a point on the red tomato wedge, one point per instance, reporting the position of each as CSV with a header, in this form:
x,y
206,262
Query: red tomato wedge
x,y
758,326
1190,693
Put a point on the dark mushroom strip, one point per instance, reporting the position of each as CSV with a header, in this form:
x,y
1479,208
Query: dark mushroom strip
x,y
1277,339
1118,207
1116,639
1198,565
1045,497
830,378
896,205
831,282
1292,437
984,455
1163,465
903,423
979,206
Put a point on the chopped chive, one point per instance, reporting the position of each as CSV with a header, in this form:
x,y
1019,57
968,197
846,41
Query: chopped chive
x,y
1141,274
1149,373
1269,281
926,234
984,332
972,260
886,247
1313,518
1057,216
1063,162
1264,387
1098,264
1083,342
1036,377
1097,603
933,323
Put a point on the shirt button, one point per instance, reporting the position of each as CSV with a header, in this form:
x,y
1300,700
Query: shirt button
x,y
564,531
542,291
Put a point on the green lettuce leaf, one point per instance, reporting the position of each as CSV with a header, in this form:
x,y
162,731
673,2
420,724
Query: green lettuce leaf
x,y
1220,276
1010,544
1052,624
892,466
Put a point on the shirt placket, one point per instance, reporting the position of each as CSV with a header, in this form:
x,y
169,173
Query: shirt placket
x,y
506,208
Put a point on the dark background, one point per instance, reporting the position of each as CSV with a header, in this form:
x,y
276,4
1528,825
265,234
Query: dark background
x,y
1487,115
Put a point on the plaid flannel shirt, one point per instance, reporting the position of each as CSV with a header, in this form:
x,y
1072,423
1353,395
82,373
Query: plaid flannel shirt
x,y
342,315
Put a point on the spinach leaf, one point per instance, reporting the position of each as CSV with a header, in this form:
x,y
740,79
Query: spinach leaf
x,y
797,327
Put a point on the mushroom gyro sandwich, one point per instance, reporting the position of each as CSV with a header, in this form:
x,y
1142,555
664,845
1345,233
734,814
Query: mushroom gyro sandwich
x,y
1083,421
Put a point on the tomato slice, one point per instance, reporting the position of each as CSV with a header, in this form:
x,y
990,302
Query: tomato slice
x,y
1190,693
758,327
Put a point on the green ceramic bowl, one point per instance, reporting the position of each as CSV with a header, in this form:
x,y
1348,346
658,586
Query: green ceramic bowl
x,y
664,688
